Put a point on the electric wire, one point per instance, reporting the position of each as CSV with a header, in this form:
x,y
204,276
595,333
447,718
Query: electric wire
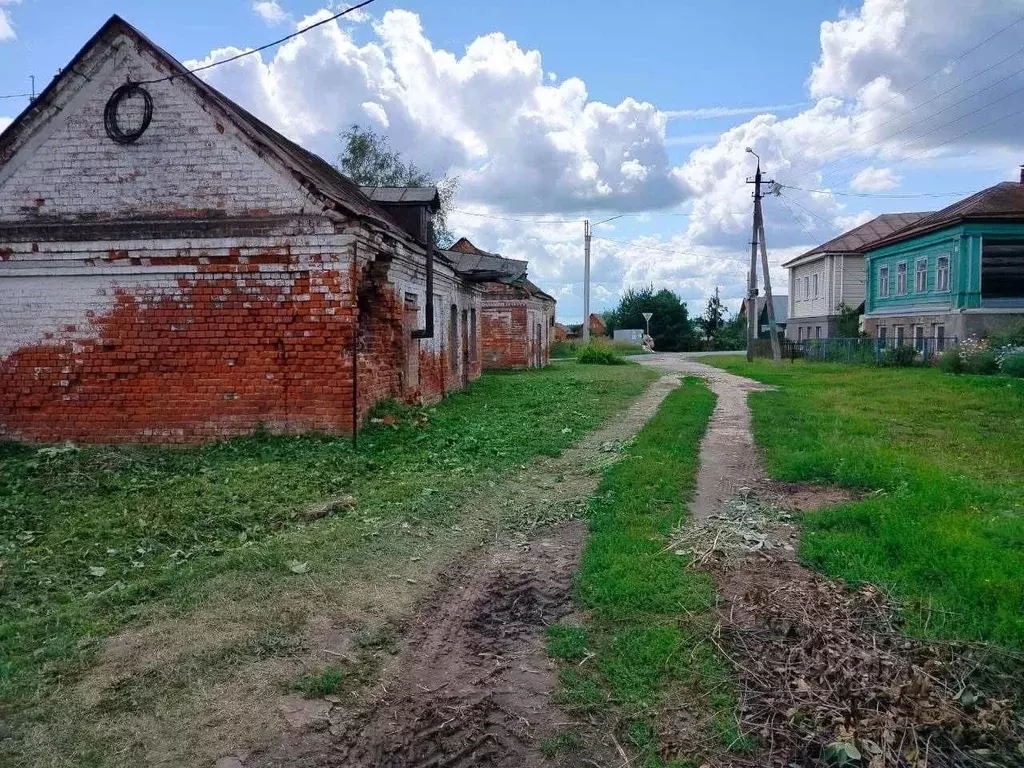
x,y
284,39
932,74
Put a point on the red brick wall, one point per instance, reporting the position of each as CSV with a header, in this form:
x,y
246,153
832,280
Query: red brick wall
x,y
505,337
229,349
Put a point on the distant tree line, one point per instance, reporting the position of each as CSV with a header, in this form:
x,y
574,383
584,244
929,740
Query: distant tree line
x,y
672,327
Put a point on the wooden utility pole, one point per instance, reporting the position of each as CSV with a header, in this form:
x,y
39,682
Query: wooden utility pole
x,y
586,281
752,272
757,240
776,349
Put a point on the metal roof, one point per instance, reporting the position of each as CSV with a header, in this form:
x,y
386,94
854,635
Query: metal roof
x,y
1001,202
487,267
403,195
862,238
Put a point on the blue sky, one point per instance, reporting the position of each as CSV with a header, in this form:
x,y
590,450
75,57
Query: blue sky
x,y
577,110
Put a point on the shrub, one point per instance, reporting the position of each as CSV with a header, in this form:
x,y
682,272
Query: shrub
x,y
900,357
983,362
950,361
1013,365
599,354
1012,337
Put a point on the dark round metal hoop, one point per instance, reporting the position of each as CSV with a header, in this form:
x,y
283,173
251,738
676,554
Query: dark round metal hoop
x,y
114,130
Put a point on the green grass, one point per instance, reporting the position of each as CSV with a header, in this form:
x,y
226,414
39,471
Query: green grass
x,y
942,526
97,539
645,642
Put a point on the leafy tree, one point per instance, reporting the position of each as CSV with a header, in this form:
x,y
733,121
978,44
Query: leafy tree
x,y
369,161
848,322
733,334
671,326
712,321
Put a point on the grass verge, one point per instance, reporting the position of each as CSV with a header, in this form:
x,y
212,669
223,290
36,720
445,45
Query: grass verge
x,y
942,525
97,539
643,652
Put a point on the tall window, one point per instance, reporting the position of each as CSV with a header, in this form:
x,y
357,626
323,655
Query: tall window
x,y
817,331
882,330
800,333
940,337
883,282
921,275
815,285
942,273
807,288
901,278
899,335
919,338
472,334
453,339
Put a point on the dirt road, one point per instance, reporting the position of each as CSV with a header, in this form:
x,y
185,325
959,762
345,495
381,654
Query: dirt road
x,y
472,683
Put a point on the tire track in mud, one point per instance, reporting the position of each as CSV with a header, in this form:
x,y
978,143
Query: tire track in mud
x,y
472,683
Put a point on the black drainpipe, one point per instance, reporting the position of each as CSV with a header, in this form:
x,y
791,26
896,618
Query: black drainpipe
x,y
427,331
355,354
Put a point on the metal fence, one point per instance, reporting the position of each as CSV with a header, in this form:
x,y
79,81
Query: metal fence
x,y
923,351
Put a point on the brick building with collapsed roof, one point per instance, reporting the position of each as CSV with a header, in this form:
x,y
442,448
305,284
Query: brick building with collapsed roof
x,y
517,317
174,270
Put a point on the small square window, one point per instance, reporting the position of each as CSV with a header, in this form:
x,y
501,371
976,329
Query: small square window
x,y
883,282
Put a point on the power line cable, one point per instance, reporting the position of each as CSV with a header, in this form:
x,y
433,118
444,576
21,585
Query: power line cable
x,y
943,68
17,96
913,124
284,39
796,218
879,196
939,127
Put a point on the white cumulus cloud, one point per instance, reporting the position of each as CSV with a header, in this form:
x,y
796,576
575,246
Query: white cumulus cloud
x,y
873,179
6,25
270,11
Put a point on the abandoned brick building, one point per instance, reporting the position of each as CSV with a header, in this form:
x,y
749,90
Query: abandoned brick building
x,y
174,270
518,318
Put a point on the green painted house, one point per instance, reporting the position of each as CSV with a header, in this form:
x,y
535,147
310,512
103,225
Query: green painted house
x,y
956,273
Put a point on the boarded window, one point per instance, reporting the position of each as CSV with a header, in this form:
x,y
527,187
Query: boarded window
x,y
1002,269
453,339
942,273
883,282
901,278
472,335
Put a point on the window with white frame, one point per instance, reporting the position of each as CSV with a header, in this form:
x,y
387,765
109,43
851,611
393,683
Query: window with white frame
x,y
940,337
883,282
901,278
817,331
815,285
882,331
807,288
921,275
919,338
899,335
800,333
942,273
